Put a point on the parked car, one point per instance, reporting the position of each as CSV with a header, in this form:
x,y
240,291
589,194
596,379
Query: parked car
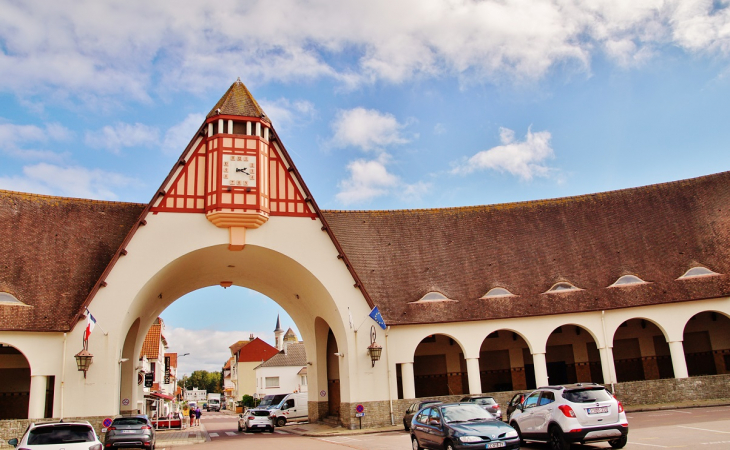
x,y
57,436
457,426
561,415
512,405
413,409
488,403
256,419
130,431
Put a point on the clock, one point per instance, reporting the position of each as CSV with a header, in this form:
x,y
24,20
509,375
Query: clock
x,y
239,170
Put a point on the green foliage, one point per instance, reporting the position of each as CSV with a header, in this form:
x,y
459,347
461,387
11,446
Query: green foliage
x,y
248,401
202,379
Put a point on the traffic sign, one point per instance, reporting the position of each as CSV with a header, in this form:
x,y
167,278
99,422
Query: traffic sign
x,y
107,422
360,409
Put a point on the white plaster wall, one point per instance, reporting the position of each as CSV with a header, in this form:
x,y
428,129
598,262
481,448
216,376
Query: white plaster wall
x,y
288,380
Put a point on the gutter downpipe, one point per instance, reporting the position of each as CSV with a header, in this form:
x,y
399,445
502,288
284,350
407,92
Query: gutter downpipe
x,y
387,361
605,350
63,372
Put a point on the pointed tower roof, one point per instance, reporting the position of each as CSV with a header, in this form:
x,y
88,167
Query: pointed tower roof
x,y
278,324
238,101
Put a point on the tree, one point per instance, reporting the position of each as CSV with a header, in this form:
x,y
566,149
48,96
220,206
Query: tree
x,y
202,379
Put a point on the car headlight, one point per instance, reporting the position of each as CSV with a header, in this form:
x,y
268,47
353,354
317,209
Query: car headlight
x,y
470,439
511,434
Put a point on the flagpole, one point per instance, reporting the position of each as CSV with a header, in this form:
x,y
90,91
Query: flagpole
x,y
96,324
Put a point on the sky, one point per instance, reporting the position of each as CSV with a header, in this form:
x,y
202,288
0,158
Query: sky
x,y
381,104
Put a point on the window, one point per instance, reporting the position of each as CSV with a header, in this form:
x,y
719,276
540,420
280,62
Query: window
x,y
628,280
697,272
432,297
547,398
531,401
562,287
423,416
498,292
434,415
9,299
272,382
303,380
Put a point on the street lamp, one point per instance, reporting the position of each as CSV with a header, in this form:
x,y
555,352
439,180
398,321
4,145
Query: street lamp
x,y
84,358
374,349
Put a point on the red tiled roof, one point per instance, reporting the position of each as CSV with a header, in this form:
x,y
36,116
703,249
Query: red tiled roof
x,y
238,101
151,344
256,351
173,359
53,251
654,232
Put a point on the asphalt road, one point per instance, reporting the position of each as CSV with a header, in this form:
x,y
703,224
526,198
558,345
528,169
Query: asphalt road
x,y
696,428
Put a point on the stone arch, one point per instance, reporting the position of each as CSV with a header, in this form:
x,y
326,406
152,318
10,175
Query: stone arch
x,y
279,277
641,351
439,366
572,355
505,362
706,343
15,383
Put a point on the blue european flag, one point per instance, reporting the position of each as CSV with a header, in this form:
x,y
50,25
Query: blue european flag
x,y
375,315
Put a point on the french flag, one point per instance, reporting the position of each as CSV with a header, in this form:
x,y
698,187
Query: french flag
x,y
90,323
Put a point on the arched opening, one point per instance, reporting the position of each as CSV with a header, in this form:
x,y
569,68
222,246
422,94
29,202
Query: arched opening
x,y
439,367
14,383
641,352
706,342
572,356
505,362
285,282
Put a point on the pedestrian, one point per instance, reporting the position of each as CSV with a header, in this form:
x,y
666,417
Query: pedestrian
x,y
192,416
197,415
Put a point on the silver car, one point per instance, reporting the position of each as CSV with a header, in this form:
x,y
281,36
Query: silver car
x,y
256,419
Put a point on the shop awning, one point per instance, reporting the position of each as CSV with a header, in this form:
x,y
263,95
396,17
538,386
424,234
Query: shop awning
x,y
162,396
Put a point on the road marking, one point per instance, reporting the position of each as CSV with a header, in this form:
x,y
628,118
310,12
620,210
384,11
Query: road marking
x,y
681,412
213,434
648,445
231,433
280,432
703,429
339,440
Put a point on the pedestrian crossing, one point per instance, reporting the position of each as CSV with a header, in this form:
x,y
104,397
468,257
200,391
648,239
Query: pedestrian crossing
x,y
234,433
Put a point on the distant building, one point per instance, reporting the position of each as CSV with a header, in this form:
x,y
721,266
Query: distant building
x,y
246,356
286,371
157,375
195,395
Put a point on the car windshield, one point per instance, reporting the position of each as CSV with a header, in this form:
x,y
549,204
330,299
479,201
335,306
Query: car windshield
x,y
60,434
271,401
464,413
587,395
129,421
485,401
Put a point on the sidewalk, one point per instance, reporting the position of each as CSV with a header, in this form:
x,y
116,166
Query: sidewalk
x,y
187,436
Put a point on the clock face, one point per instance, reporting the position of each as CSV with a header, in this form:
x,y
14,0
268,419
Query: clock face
x,y
239,170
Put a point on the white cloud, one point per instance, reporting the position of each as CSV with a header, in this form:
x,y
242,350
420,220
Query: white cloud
x,y
178,136
370,179
121,135
128,50
368,129
208,348
525,159
17,140
67,181
287,112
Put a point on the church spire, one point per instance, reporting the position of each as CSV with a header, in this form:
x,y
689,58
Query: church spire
x,y
238,101
279,335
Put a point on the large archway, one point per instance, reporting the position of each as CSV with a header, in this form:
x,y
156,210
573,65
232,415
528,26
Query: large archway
x,y
572,356
706,342
439,367
14,383
641,352
505,362
271,273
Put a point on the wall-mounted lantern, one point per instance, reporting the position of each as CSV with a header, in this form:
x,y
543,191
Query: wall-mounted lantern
x,y
374,349
84,358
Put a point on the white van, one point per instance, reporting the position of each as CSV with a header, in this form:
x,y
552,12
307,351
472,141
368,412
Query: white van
x,y
293,408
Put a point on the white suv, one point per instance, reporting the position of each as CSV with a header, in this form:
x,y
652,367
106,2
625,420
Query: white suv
x,y
58,436
562,415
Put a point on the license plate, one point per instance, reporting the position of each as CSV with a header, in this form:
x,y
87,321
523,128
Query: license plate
x,y
496,444
128,431
260,426
601,410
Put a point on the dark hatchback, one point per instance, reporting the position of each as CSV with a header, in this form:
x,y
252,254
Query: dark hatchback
x,y
453,426
130,431
413,409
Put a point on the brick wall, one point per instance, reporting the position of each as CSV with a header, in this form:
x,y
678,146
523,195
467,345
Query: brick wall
x,y
15,428
668,390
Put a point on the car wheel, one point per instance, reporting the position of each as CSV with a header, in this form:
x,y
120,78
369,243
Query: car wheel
x,y
556,440
619,443
280,422
271,430
405,425
239,427
414,444
519,433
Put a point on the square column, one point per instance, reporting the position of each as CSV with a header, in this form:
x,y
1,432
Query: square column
x,y
475,378
541,375
37,401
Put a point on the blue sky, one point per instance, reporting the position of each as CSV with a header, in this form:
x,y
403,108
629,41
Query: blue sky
x,y
382,105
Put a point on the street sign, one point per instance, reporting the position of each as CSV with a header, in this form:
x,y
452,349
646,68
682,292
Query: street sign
x,y
107,422
323,393
359,408
149,378
360,414
125,402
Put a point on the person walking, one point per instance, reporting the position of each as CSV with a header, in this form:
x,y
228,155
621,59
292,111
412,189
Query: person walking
x,y
191,412
197,415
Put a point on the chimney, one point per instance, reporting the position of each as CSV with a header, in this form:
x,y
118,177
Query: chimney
x,y
250,338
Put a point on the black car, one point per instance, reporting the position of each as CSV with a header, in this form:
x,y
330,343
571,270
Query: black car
x,y
130,431
513,404
413,409
453,426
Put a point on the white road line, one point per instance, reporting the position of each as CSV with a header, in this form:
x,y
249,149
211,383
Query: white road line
x,y
703,429
648,445
681,412
231,433
213,434
280,432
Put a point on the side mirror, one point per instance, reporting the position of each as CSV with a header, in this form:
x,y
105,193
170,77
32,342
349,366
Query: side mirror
x,y
13,442
434,422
